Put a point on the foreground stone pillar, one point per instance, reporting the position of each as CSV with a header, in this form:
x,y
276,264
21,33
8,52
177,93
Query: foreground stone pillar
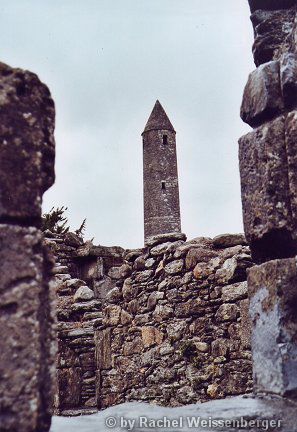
x,y
273,307
26,317
268,167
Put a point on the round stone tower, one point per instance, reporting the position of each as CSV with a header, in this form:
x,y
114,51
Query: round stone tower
x,y
160,178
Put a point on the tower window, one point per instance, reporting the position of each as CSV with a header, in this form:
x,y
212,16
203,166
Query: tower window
x,y
165,139
163,185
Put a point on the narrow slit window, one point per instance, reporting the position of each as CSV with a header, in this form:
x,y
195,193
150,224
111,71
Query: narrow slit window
x,y
163,185
165,139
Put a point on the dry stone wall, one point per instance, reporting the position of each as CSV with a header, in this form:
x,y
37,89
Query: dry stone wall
x,y
79,283
166,324
175,327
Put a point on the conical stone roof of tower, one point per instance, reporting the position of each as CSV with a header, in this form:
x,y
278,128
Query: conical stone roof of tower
x,y
158,119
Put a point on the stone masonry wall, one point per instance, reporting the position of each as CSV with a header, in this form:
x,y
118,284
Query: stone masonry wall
x,y
165,324
78,270
175,327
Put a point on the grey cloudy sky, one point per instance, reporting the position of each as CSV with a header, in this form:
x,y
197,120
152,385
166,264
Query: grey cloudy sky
x,y
106,62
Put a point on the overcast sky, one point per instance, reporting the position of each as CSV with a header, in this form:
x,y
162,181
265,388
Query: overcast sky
x,y
106,62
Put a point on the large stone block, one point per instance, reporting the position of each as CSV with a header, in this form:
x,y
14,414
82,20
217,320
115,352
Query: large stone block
x,y
273,30
26,345
103,348
273,300
288,79
268,188
27,147
271,4
262,98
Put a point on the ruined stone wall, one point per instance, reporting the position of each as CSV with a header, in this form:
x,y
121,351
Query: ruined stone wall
x,y
165,324
268,168
79,282
176,330
27,344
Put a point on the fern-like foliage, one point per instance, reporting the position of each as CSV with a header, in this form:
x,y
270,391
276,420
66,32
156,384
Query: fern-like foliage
x,y
81,230
55,221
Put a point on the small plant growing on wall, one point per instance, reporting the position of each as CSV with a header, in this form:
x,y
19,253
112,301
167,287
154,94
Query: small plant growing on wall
x,y
55,221
81,230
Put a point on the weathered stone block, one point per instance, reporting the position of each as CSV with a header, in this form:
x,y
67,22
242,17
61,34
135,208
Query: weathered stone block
x,y
174,267
229,240
102,287
271,4
220,347
162,238
26,130
83,293
234,292
26,348
288,79
126,318
129,290
153,299
151,336
266,189
198,254
160,249
162,312
143,276
202,346
227,312
203,270
119,272
262,97
245,324
273,299
112,315
134,347
114,296
273,30
103,348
